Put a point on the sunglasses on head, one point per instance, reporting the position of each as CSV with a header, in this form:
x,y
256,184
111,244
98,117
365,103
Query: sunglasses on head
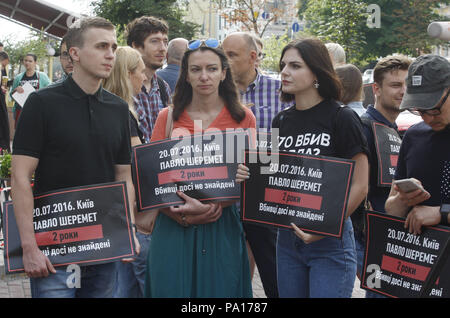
x,y
435,111
195,44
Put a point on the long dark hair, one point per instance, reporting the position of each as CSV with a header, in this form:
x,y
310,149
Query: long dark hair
x,y
227,88
316,56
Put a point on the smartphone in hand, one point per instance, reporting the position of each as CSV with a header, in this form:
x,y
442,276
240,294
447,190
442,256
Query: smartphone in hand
x,y
408,185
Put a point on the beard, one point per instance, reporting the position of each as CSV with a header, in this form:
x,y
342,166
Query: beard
x,y
154,66
392,108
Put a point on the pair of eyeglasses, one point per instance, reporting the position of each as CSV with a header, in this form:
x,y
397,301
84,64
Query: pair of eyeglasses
x,y
195,44
65,55
431,112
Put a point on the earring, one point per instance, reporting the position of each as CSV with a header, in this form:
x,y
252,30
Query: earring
x,y
316,83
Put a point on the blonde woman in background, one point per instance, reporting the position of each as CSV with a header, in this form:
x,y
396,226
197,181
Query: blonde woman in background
x,y
126,81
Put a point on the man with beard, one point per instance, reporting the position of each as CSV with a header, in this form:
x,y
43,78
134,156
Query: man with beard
x,y
148,35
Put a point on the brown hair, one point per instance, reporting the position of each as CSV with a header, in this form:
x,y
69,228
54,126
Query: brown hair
x,y
316,56
351,80
227,88
74,37
388,64
140,28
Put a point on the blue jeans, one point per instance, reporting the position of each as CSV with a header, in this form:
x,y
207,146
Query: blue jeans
x,y
131,276
97,281
322,269
360,251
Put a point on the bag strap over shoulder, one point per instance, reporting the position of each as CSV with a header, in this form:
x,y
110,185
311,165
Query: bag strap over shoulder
x,y
162,91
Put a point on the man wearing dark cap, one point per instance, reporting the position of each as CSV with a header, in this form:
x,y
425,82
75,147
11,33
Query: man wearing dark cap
x,y
425,152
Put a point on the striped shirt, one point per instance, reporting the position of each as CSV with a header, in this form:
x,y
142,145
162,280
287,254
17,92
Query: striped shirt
x,y
148,105
264,98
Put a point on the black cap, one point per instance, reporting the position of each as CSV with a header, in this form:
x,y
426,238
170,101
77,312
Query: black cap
x,y
428,77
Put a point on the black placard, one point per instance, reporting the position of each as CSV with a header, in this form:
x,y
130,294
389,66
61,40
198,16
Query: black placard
x,y
397,263
309,191
387,144
81,225
202,166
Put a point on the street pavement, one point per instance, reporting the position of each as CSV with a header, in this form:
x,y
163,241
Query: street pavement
x,y
18,286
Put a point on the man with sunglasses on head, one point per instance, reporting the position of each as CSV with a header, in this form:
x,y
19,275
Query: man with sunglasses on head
x,y
425,152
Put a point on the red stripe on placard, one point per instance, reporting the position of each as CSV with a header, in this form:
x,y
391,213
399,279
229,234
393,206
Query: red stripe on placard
x,y
394,160
193,174
404,268
75,234
293,198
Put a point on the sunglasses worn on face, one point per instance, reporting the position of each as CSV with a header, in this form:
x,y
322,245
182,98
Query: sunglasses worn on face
x,y
431,112
195,44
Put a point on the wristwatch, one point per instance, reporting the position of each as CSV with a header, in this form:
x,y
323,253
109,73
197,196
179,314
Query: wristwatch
x,y
445,211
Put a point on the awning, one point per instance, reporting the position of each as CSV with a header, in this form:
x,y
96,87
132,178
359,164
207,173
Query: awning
x,y
38,15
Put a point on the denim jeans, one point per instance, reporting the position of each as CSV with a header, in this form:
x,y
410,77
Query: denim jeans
x,y
322,269
360,251
131,276
96,281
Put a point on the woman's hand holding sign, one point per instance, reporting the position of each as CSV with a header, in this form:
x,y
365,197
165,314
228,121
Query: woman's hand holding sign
x,y
242,174
194,212
306,237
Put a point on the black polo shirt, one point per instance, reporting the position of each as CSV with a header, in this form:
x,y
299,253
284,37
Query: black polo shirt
x,y
78,138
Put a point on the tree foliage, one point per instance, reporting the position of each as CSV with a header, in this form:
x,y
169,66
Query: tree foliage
x,y
35,43
121,12
339,21
403,26
248,14
272,51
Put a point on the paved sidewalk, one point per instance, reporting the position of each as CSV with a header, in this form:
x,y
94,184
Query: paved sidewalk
x,y
18,286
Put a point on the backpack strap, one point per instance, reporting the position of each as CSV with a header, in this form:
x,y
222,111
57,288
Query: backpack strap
x,y
162,91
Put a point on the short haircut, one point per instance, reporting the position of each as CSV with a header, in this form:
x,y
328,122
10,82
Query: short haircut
x,y
249,40
4,56
32,55
140,28
351,80
175,50
74,37
337,53
1,44
63,40
388,64
258,42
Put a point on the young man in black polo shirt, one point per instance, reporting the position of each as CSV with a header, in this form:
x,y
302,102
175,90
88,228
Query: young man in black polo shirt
x,y
73,133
